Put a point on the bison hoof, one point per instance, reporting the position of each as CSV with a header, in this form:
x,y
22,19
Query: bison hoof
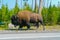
x,y
28,29
20,29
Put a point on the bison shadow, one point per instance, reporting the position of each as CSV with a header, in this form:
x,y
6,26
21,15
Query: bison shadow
x,y
20,29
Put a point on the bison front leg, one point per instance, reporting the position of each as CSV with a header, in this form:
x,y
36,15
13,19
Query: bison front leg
x,y
28,26
20,27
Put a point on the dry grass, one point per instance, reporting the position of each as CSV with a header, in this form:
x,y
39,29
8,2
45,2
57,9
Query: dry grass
x,y
50,28
2,28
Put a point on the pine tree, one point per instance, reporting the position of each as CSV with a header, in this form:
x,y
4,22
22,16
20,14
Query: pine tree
x,y
49,15
0,12
7,13
16,8
35,8
3,11
58,12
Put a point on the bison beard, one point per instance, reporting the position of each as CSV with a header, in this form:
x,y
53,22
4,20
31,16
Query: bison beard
x,y
26,17
14,20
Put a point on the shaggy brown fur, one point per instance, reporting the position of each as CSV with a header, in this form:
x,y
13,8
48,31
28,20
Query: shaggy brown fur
x,y
36,17
24,15
28,16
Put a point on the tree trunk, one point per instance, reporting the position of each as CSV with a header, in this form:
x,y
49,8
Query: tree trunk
x,y
40,6
16,1
21,5
32,4
35,5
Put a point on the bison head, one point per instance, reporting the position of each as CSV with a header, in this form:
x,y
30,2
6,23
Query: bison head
x,y
14,20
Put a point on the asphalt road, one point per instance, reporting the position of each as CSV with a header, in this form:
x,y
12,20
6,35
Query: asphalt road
x,y
25,35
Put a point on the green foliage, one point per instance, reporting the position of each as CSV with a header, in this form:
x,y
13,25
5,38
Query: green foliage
x,y
51,15
58,15
0,15
3,11
6,13
27,7
11,12
55,14
16,8
44,14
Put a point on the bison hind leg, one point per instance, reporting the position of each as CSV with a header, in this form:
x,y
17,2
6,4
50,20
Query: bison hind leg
x,y
42,24
20,27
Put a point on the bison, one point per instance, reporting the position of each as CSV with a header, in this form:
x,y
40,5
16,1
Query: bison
x,y
24,18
